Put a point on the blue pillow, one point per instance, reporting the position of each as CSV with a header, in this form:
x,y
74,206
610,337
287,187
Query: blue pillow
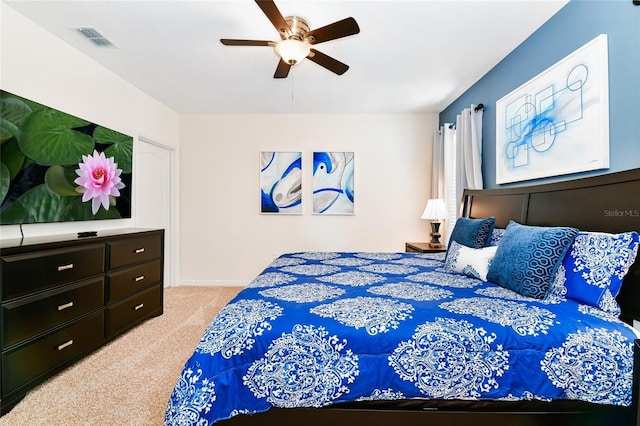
x,y
528,257
474,233
595,266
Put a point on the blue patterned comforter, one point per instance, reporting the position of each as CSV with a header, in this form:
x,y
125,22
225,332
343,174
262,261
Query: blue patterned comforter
x,y
322,328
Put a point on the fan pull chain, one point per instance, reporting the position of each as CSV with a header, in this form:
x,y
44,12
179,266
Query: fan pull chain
x,y
292,78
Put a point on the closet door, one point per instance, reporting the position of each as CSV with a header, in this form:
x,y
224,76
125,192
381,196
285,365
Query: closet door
x,y
155,180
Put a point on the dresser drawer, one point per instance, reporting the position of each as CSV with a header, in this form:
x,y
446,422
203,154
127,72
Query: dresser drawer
x,y
26,363
30,316
27,273
128,251
133,279
126,313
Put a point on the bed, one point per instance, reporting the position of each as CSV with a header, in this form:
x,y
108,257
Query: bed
x,y
412,338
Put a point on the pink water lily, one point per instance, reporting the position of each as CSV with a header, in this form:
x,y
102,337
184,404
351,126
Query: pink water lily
x,y
99,180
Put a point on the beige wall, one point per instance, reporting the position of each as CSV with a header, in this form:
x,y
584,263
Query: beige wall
x,y
225,240
40,67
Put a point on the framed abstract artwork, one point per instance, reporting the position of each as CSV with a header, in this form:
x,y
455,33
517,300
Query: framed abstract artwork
x,y
333,183
280,182
558,122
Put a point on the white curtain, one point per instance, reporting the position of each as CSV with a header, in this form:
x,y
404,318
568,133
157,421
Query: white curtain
x,y
469,141
450,178
437,177
457,162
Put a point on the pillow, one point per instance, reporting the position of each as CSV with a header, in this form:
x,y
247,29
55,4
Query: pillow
x,y
496,236
528,257
474,233
470,261
595,266
558,291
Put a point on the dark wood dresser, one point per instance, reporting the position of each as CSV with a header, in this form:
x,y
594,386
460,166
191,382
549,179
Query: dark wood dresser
x,y
62,297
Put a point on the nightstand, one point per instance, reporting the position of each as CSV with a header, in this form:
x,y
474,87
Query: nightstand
x,y
422,248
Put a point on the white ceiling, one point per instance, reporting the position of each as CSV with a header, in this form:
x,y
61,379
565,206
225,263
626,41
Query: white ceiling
x,y
410,56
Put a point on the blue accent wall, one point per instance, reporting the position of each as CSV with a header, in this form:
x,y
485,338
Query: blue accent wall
x,y
574,25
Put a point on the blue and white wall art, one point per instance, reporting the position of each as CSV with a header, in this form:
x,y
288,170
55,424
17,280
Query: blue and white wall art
x,y
281,182
558,122
333,190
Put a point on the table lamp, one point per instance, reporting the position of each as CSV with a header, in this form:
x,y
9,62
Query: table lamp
x,y
435,211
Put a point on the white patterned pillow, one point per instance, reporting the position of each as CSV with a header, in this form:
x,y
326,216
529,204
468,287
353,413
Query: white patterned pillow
x,y
595,266
496,236
470,261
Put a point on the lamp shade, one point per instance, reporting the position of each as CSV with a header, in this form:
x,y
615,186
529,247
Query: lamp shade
x,y
435,209
293,51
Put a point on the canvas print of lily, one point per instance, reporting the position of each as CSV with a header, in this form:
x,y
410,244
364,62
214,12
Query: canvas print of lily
x,y
281,182
99,180
56,167
333,188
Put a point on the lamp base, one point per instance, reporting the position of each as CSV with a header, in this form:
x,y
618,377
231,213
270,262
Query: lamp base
x,y
435,236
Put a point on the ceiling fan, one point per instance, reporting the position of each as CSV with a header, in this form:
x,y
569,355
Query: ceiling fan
x,y
297,39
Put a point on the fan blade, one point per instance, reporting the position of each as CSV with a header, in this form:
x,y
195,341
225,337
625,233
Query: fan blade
x,y
328,62
271,10
282,71
234,42
339,29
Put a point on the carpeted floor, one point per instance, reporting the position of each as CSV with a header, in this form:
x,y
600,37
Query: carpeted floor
x,y
128,381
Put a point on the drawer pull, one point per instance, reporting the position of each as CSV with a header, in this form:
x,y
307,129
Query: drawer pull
x,y
140,278
65,267
138,307
65,306
64,345
140,250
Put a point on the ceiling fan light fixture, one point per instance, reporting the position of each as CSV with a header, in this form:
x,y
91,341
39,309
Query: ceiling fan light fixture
x,y
293,51
297,40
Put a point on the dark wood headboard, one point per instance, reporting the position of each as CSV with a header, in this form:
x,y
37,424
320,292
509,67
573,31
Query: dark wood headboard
x,y
606,203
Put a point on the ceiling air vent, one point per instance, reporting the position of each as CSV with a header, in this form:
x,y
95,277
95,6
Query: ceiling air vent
x,y
95,36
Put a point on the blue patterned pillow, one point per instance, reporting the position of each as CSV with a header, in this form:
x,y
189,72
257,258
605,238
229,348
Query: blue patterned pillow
x,y
474,233
496,236
595,266
528,257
